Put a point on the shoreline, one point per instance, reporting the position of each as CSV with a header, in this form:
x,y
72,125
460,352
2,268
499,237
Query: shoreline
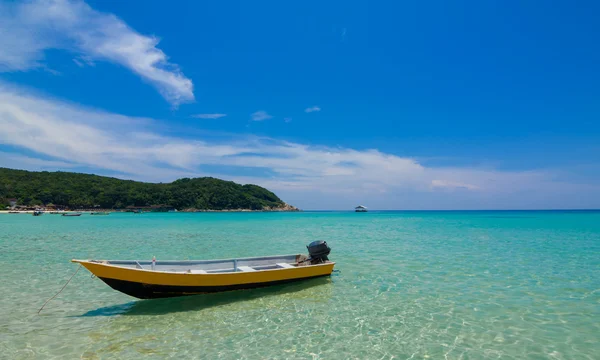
x,y
285,208
17,212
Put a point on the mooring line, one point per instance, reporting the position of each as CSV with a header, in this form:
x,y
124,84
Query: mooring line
x,y
64,286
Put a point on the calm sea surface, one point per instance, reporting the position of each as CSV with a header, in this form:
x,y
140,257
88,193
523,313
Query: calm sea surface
x,y
411,285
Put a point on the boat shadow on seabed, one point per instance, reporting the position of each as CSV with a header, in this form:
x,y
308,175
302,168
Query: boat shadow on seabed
x,y
204,301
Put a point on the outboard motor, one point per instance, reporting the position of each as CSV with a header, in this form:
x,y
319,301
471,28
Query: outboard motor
x,y
318,251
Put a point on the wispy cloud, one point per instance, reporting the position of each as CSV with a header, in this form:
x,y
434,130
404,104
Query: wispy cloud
x,y
12,160
312,109
452,185
28,29
209,116
78,63
260,116
287,119
83,61
56,134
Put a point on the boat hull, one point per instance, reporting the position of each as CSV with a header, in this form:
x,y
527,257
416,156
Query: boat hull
x,y
151,291
148,284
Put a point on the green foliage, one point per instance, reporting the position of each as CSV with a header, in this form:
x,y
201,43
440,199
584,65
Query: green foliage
x,y
74,190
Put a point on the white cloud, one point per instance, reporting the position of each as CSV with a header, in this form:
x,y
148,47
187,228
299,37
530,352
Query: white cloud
x,y
12,160
78,63
260,116
452,185
83,61
209,116
287,119
57,135
28,29
312,109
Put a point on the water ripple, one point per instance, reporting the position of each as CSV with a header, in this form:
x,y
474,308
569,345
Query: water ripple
x,y
411,286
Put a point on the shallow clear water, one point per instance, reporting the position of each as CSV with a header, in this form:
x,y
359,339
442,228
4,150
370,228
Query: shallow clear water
x,y
414,285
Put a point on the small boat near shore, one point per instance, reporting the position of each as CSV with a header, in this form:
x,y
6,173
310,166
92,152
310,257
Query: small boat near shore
x,y
360,208
37,213
161,279
76,214
100,213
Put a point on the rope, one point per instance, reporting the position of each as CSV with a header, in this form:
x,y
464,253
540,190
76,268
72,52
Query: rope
x,y
64,286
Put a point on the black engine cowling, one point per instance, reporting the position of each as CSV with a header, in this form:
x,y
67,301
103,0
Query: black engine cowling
x,y
318,251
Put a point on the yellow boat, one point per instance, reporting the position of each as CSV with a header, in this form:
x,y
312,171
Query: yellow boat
x,y
160,279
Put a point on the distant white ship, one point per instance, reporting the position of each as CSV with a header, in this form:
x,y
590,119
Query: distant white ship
x,y
360,208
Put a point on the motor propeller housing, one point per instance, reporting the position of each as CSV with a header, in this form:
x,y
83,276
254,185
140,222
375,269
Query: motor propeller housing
x,y
318,251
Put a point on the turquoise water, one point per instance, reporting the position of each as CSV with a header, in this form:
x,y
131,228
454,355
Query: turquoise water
x,y
411,285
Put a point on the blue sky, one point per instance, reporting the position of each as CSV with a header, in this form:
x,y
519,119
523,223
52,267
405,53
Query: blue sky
x,y
397,105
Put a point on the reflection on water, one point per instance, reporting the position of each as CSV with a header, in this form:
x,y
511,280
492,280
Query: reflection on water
x,y
200,302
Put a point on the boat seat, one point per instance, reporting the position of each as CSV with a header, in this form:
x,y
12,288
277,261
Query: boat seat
x,y
196,271
245,268
285,265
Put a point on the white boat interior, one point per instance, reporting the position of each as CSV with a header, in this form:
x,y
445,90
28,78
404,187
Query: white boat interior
x,y
214,266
